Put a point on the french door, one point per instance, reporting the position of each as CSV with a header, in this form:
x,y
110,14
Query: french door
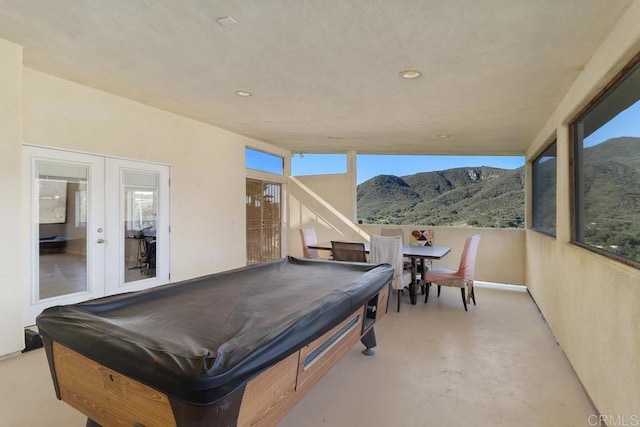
x,y
264,221
100,226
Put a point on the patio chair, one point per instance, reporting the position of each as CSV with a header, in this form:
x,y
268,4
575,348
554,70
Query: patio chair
x,y
421,238
348,251
388,249
462,278
392,232
309,237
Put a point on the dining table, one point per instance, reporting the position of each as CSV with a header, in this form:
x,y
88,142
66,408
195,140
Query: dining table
x,y
415,253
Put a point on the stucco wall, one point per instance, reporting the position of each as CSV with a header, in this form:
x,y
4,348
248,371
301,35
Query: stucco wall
x,y
326,203
207,163
335,188
501,254
207,167
590,302
12,246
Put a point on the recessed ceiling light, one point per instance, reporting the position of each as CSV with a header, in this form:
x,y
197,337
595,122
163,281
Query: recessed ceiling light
x,y
443,135
410,74
225,21
243,93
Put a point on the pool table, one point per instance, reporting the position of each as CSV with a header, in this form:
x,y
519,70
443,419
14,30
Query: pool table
x,y
230,349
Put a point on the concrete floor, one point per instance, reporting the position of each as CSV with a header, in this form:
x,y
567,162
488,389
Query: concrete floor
x,y
435,365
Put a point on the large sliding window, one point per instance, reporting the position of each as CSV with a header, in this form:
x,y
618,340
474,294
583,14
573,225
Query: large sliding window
x,y
544,191
606,140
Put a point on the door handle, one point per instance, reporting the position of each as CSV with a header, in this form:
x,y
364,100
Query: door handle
x,y
100,240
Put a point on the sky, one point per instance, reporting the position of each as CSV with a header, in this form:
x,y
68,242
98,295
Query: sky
x,y
626,123
370,165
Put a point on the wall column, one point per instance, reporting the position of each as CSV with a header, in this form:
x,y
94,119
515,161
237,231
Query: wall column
x,y
352,171
13,244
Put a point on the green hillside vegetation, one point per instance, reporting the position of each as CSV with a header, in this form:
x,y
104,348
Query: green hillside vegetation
x,y
544,206
490,197
473,196
612,196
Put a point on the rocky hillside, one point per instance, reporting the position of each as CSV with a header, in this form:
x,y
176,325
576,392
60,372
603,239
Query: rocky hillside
x,y
477,196
490,197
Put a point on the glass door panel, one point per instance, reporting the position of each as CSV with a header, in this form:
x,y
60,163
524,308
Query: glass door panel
x,y
140,191
61,229
67,228
137,195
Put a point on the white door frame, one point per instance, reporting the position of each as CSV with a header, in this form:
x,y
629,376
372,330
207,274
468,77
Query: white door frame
x,y
105,227
95,222
115,282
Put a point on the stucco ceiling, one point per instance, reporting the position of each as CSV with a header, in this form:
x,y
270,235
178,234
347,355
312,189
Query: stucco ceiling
x,y
324,74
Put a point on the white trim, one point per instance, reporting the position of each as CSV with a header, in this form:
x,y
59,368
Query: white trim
x,y
494,285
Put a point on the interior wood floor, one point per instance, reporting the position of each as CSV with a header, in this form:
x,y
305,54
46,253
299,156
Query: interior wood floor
x,y
61,274
435,365
65,273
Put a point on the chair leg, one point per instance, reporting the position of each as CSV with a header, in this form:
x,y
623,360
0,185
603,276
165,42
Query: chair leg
x,y
438,291
464,299
473,294
423,283
400,291
426,292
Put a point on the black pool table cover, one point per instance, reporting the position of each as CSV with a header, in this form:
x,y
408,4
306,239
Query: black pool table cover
x,y
200,339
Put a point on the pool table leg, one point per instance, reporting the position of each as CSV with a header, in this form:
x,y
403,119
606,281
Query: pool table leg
x,y
369,341
224,412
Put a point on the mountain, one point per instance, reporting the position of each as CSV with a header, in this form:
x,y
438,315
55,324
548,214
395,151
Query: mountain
x,y
611,182
479,196
491,197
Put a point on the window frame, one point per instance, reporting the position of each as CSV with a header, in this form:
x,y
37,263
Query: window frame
x,y
280,173
553,144
574,162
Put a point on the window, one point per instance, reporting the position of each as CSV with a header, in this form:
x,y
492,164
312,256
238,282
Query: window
x,y
259,160
606,142
140,191
544,191
459,191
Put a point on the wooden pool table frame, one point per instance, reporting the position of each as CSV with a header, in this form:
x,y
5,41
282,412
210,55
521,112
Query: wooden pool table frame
x,y
109,398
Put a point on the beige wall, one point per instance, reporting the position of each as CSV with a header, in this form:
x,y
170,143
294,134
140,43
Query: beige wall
x,y
590,302
12,247
326,203
501,254
207,167
207,163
